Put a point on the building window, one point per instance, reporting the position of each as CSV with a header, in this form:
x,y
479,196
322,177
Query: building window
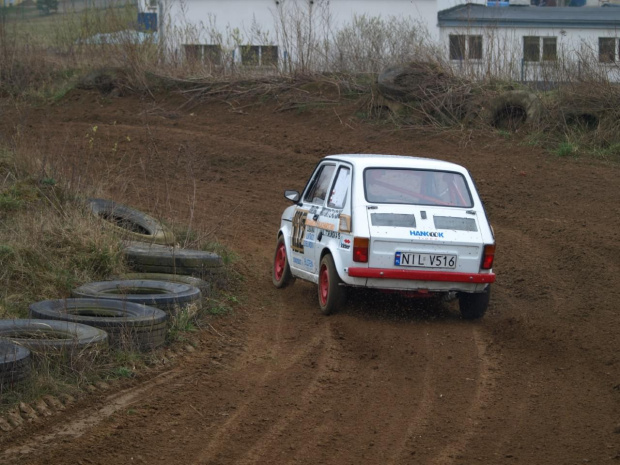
x,y
457,47
269,55
474,44
206,53
259,55
607,49
532,48
463,46
550,49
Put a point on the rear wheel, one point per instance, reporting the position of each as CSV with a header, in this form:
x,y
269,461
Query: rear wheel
x,y
281,270
332,293
474,306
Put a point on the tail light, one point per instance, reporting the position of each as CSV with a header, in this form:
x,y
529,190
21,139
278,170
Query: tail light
x,y
360,249
489,255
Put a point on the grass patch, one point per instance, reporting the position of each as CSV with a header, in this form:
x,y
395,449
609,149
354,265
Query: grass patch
x,y
566,149
51,243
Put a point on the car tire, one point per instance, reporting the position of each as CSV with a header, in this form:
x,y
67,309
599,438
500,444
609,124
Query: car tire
x,y
149,258
131,223
403,82
161,294
15,364
474,305
204,286
52,336
129,325
513,108
332,294
281,273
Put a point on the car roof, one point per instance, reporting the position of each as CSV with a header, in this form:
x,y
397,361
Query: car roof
x,y
367,160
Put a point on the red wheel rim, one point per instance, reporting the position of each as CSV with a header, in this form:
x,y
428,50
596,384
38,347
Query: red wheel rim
x,y
280,261
323,284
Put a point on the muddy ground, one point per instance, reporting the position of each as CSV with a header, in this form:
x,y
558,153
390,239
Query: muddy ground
x,y
387,380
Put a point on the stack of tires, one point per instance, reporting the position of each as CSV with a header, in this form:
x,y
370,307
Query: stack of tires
x,y
19,338
422,90
14,364
135,309
130,314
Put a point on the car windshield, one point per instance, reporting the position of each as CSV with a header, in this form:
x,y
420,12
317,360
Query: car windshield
x,y
416,187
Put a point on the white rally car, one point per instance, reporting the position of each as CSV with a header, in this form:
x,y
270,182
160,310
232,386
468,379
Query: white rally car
x,y
389,222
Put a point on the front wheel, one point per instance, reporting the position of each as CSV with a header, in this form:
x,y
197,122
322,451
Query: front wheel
x,y
332,294
281,274
474,306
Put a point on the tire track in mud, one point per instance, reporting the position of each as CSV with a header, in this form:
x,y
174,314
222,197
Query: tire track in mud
x,y
474,415
326,368
316,351
414,425
88,418
375,398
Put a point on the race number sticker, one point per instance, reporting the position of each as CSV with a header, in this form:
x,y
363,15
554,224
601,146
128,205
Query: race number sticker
x,y
299,230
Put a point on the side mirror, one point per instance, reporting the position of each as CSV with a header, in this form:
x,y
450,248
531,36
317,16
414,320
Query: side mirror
x,y
293,196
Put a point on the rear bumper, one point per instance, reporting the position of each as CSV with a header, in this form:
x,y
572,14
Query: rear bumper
x,y
422,275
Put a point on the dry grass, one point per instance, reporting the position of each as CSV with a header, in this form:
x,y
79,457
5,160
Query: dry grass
x,y
50,243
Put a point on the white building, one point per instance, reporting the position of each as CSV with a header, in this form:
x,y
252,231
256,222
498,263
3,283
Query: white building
x,y
532,44
264,31
519,42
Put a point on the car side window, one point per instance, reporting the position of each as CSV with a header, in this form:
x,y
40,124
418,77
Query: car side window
x,y
339,193
320,185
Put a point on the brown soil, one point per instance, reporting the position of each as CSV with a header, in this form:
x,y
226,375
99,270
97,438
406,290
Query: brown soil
x,y
388,380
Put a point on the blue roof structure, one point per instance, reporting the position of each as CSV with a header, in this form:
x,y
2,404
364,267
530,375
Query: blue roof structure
x,y
475,15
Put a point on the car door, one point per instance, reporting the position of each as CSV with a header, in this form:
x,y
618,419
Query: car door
x,y
331,220
304,230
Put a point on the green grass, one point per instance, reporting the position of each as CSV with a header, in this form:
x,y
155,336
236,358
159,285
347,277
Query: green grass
x,y
26,23
610,153
566,149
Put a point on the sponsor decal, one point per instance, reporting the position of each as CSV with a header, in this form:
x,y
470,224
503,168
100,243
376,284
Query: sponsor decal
x,y
346,244
299,230
347,241
330,213
308,244
425,234
324,211
308,263
320,224
332,234
297,261
309,229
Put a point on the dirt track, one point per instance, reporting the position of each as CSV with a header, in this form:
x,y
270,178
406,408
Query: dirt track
x,y
387,380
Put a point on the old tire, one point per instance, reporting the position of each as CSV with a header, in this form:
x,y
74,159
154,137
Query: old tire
x,y
129,325
161,294
409,81
281,273
51,336
474,305
332,294
15,364
512,109
204,286
131,223
172,260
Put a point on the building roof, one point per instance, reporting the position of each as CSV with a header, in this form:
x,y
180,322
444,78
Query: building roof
x,y
473,15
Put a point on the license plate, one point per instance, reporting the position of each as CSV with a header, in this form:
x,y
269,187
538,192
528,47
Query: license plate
x,y
425,260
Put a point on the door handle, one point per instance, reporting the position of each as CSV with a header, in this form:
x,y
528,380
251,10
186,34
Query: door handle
x,y
319,236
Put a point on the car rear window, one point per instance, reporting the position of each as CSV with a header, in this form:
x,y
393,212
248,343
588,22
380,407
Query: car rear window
x,y
416,187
